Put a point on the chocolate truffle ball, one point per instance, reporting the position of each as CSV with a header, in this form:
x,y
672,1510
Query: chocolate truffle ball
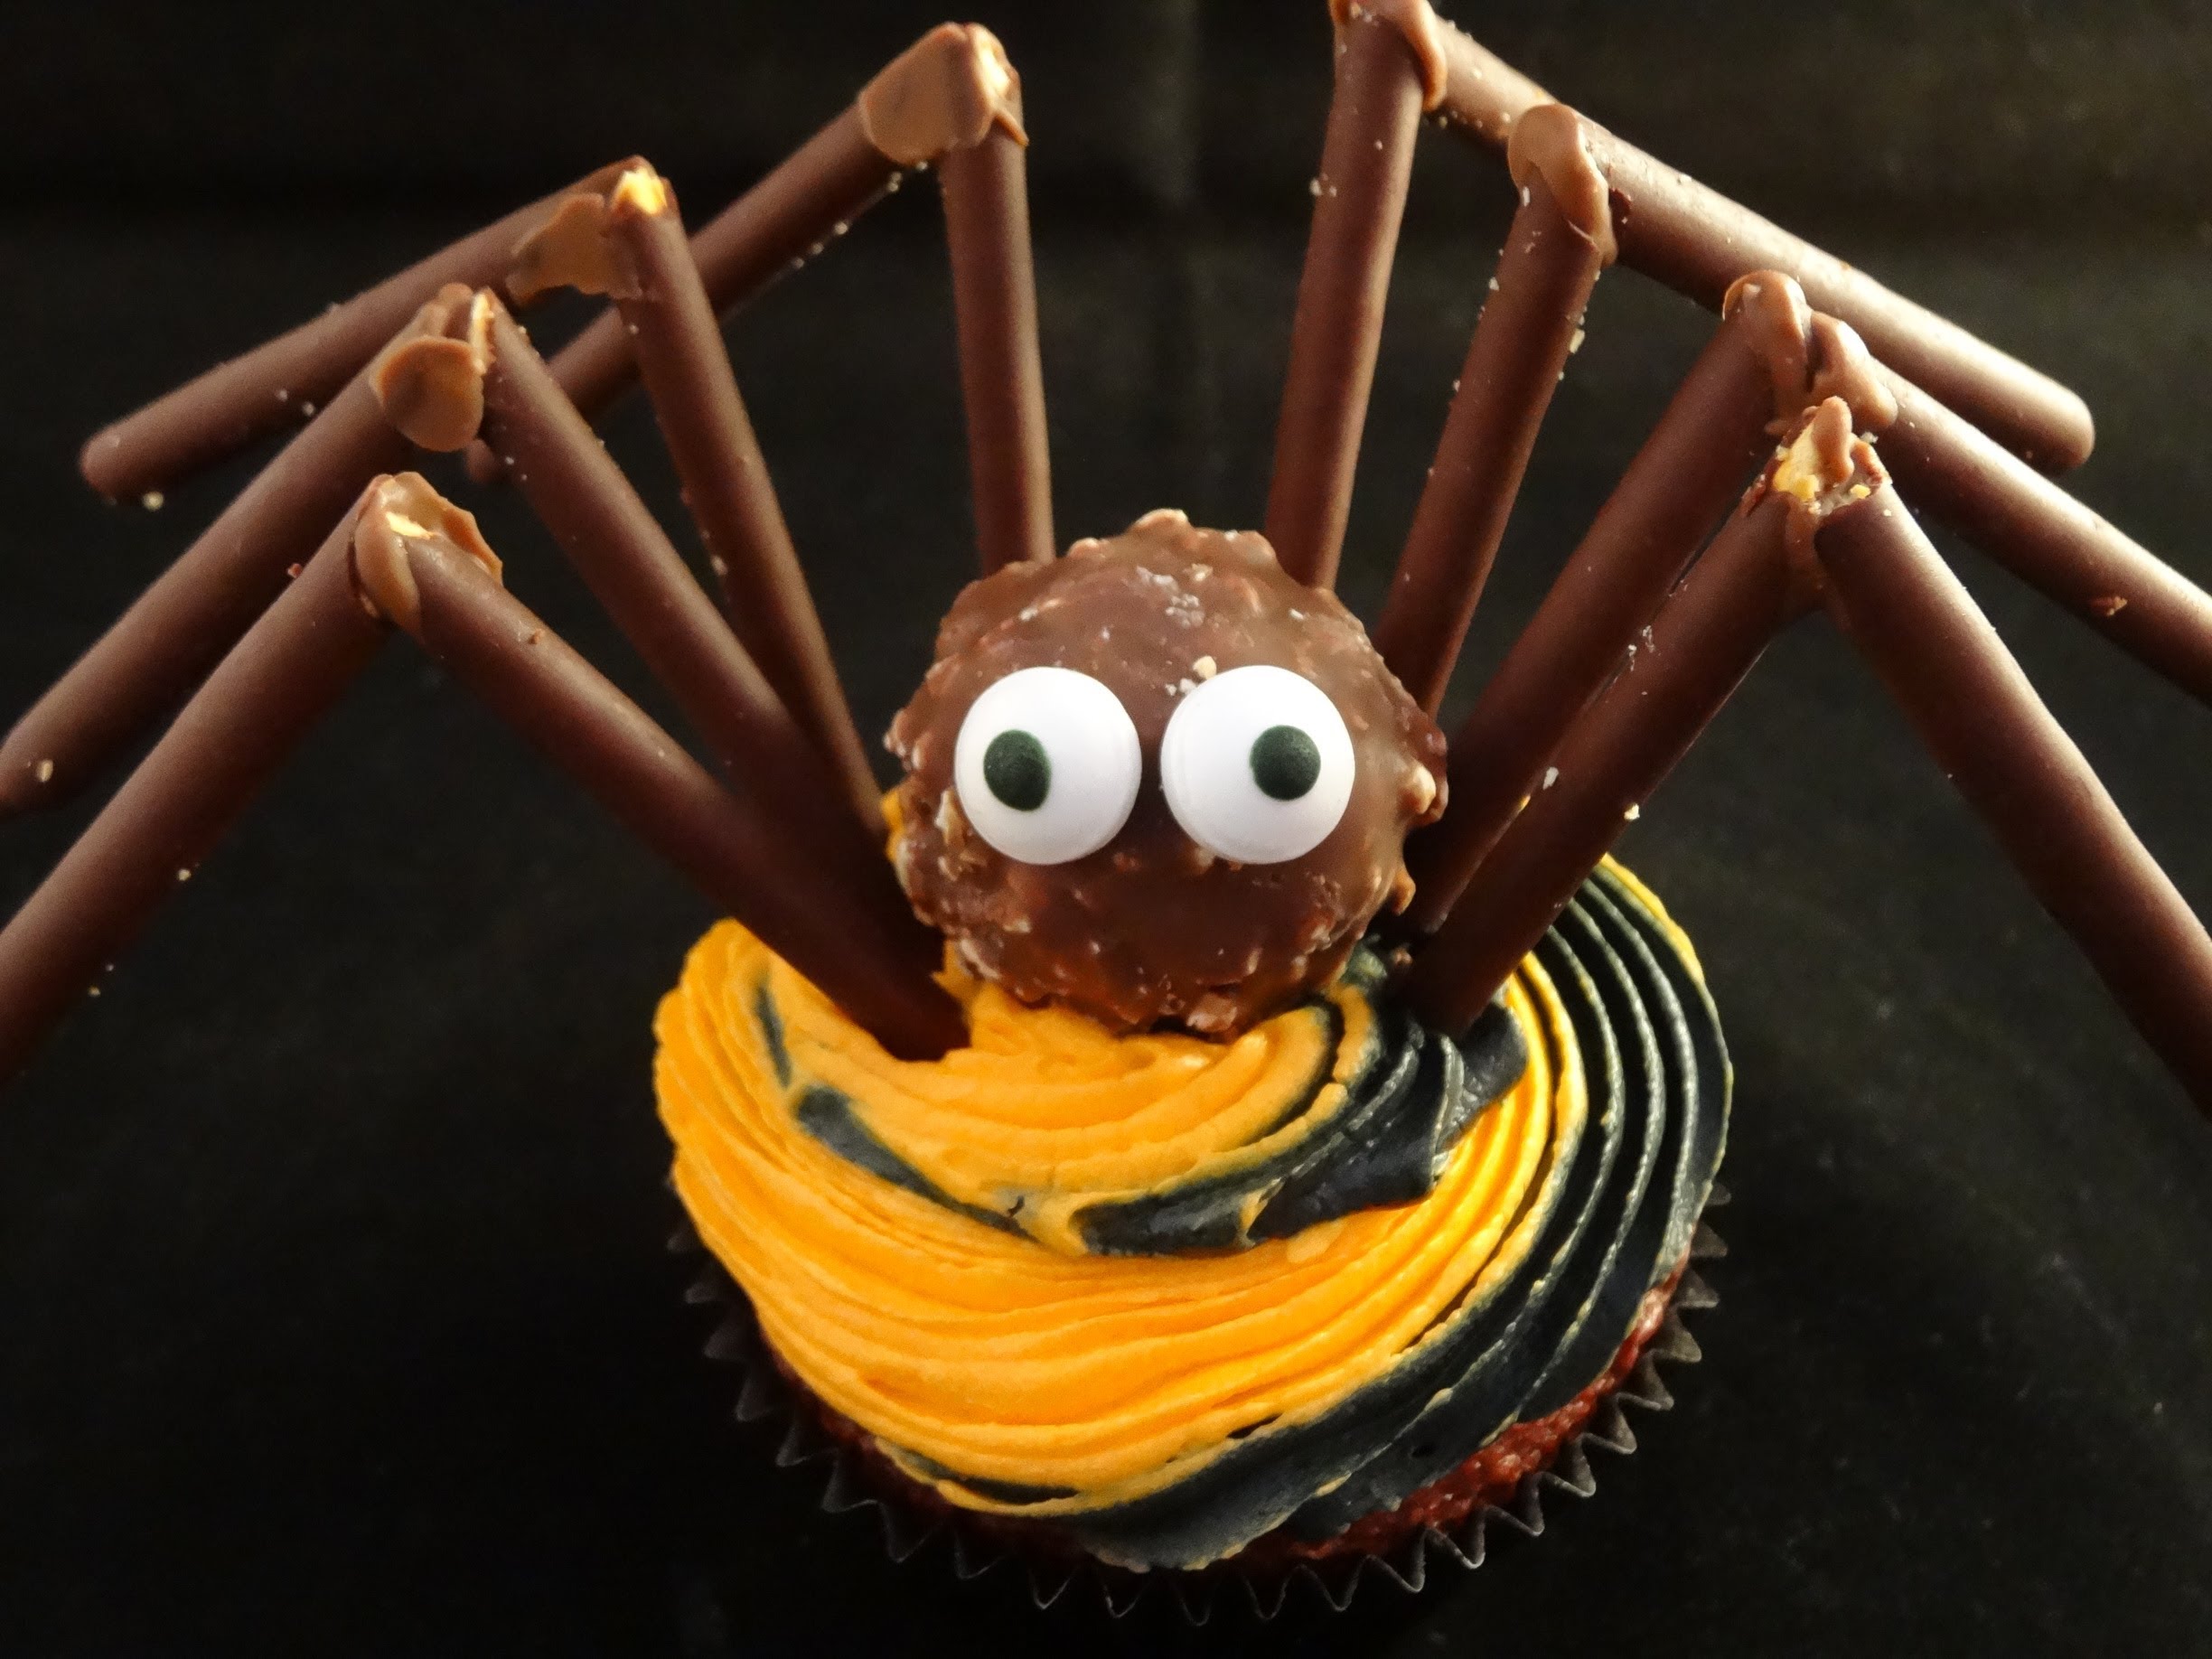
x,y
1081,844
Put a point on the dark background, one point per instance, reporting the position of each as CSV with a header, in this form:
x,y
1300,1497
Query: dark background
x,y
334,1311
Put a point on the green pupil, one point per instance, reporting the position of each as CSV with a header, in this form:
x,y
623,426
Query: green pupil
x,y
1017,771
1285,763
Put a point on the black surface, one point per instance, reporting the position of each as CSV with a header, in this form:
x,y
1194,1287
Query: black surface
x,y
336,1316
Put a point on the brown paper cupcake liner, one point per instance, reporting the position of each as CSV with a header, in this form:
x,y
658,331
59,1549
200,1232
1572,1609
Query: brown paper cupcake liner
x,y
765,1395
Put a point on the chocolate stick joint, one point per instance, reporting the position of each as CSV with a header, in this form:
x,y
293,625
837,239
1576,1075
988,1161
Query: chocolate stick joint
x,y
1561,238
630,244
484,366
802,204
1770,360
1981,718
1746,586
1700,243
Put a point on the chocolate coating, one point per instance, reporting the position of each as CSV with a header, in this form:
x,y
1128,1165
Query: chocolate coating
x,y
1698,242
1152,927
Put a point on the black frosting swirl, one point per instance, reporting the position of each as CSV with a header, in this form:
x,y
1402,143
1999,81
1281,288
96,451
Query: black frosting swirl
x,y
1620,1221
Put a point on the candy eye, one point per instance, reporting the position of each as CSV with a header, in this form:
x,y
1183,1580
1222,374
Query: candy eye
x,y
1257,765
1047,765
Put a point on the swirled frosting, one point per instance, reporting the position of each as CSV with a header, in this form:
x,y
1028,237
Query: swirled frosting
x,y
1169,1295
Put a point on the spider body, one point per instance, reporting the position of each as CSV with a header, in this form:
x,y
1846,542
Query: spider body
x,y
1160,923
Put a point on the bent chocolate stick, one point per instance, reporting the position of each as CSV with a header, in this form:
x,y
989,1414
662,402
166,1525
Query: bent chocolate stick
x,y
433,388
824,185
1002,378
724,476
285,379
1993,736
292,665
1698,242
195,610
2050,540
1561,238
936,95
1359,201
1743,590
1769,360
859,945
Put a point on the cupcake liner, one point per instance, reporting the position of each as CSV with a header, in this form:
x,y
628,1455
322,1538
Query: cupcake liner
x,y
765,1396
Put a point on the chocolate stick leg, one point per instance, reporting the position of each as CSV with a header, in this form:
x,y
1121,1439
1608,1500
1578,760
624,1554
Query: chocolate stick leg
x,y
860,945
1359,201
2050,540
1769,360
283,381
933,97
1002,378
726,483
1561,238
143,666
1746,586
1994,737
260,702
1699,242
574,486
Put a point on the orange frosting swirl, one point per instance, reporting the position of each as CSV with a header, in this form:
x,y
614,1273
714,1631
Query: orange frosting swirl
x,y
981,1353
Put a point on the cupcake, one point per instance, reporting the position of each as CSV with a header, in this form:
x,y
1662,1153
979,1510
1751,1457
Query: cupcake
x,y
1204,1254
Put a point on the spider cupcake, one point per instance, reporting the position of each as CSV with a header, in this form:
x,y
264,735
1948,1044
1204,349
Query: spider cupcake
x,y
1222,1133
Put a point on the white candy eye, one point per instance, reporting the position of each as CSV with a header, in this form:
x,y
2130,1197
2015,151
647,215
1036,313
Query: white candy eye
x,y
1257,765
1047,765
